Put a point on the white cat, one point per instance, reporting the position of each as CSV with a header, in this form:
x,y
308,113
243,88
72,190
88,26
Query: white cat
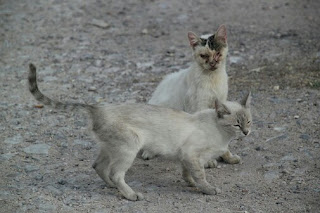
x,y
124,129
197,87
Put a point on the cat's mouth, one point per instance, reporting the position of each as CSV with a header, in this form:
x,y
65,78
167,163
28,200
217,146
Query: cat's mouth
x,y
214,67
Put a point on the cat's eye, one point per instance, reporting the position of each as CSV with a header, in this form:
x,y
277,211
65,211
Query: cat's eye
x,y
237,125
249,122
204,56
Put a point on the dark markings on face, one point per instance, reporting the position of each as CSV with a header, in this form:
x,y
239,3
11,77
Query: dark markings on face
x,y
203,42
215,44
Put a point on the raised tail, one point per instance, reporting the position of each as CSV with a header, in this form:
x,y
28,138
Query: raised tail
x,y
39,96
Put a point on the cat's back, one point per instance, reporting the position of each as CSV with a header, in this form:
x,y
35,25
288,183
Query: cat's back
x,y
140,113
171,90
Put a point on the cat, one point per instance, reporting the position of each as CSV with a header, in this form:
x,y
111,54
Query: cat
x,y
196,88
124,129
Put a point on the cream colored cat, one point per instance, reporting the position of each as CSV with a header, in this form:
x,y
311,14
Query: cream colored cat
x,y
197,87
124,129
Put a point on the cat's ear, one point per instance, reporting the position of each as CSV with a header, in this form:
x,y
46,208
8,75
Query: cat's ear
x,y
246,100
221,34
221,109
193,39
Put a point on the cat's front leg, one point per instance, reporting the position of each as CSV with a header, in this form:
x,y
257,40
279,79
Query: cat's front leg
x,y
228,157
198,173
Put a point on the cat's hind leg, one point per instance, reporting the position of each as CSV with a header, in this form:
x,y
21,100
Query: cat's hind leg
x,y
121,162
228,157
102,167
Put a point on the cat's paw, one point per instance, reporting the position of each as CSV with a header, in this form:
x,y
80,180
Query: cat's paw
x,y
111,185
139,196
135,196
190,182
218,190
211,164
147,155
211,190
235,159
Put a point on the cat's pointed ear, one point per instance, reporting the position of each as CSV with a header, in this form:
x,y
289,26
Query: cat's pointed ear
x,y
246,100
221,109
193,39
221,34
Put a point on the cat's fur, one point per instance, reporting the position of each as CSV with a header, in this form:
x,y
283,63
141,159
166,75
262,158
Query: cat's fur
x,y
124,129
197,87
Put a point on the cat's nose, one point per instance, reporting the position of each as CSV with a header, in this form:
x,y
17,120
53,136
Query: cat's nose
x,y
213,64
246,132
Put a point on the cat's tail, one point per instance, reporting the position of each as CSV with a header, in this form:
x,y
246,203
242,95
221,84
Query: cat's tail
x,y
39,96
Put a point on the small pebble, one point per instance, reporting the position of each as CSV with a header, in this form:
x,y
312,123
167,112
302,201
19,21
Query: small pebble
x,y
296,116
62,182
218,190
98,63
92,89
38,177
39,106
276,88
279,129
304,136
285,171
258,148
14,140
37,149
100,23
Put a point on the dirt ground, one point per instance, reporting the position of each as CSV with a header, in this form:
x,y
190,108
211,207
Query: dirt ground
x,y
118,51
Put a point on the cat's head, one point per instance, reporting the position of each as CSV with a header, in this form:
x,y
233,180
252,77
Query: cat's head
x,y
234,116
209,50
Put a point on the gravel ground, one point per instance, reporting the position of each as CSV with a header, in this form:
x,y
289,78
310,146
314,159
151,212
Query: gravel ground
x,y
118,51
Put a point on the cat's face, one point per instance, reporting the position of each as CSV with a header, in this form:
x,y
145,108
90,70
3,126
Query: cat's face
x,y
242,122
209,50
236,116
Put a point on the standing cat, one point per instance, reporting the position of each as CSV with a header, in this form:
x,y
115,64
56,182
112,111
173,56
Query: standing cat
x,y
196,88
191,139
